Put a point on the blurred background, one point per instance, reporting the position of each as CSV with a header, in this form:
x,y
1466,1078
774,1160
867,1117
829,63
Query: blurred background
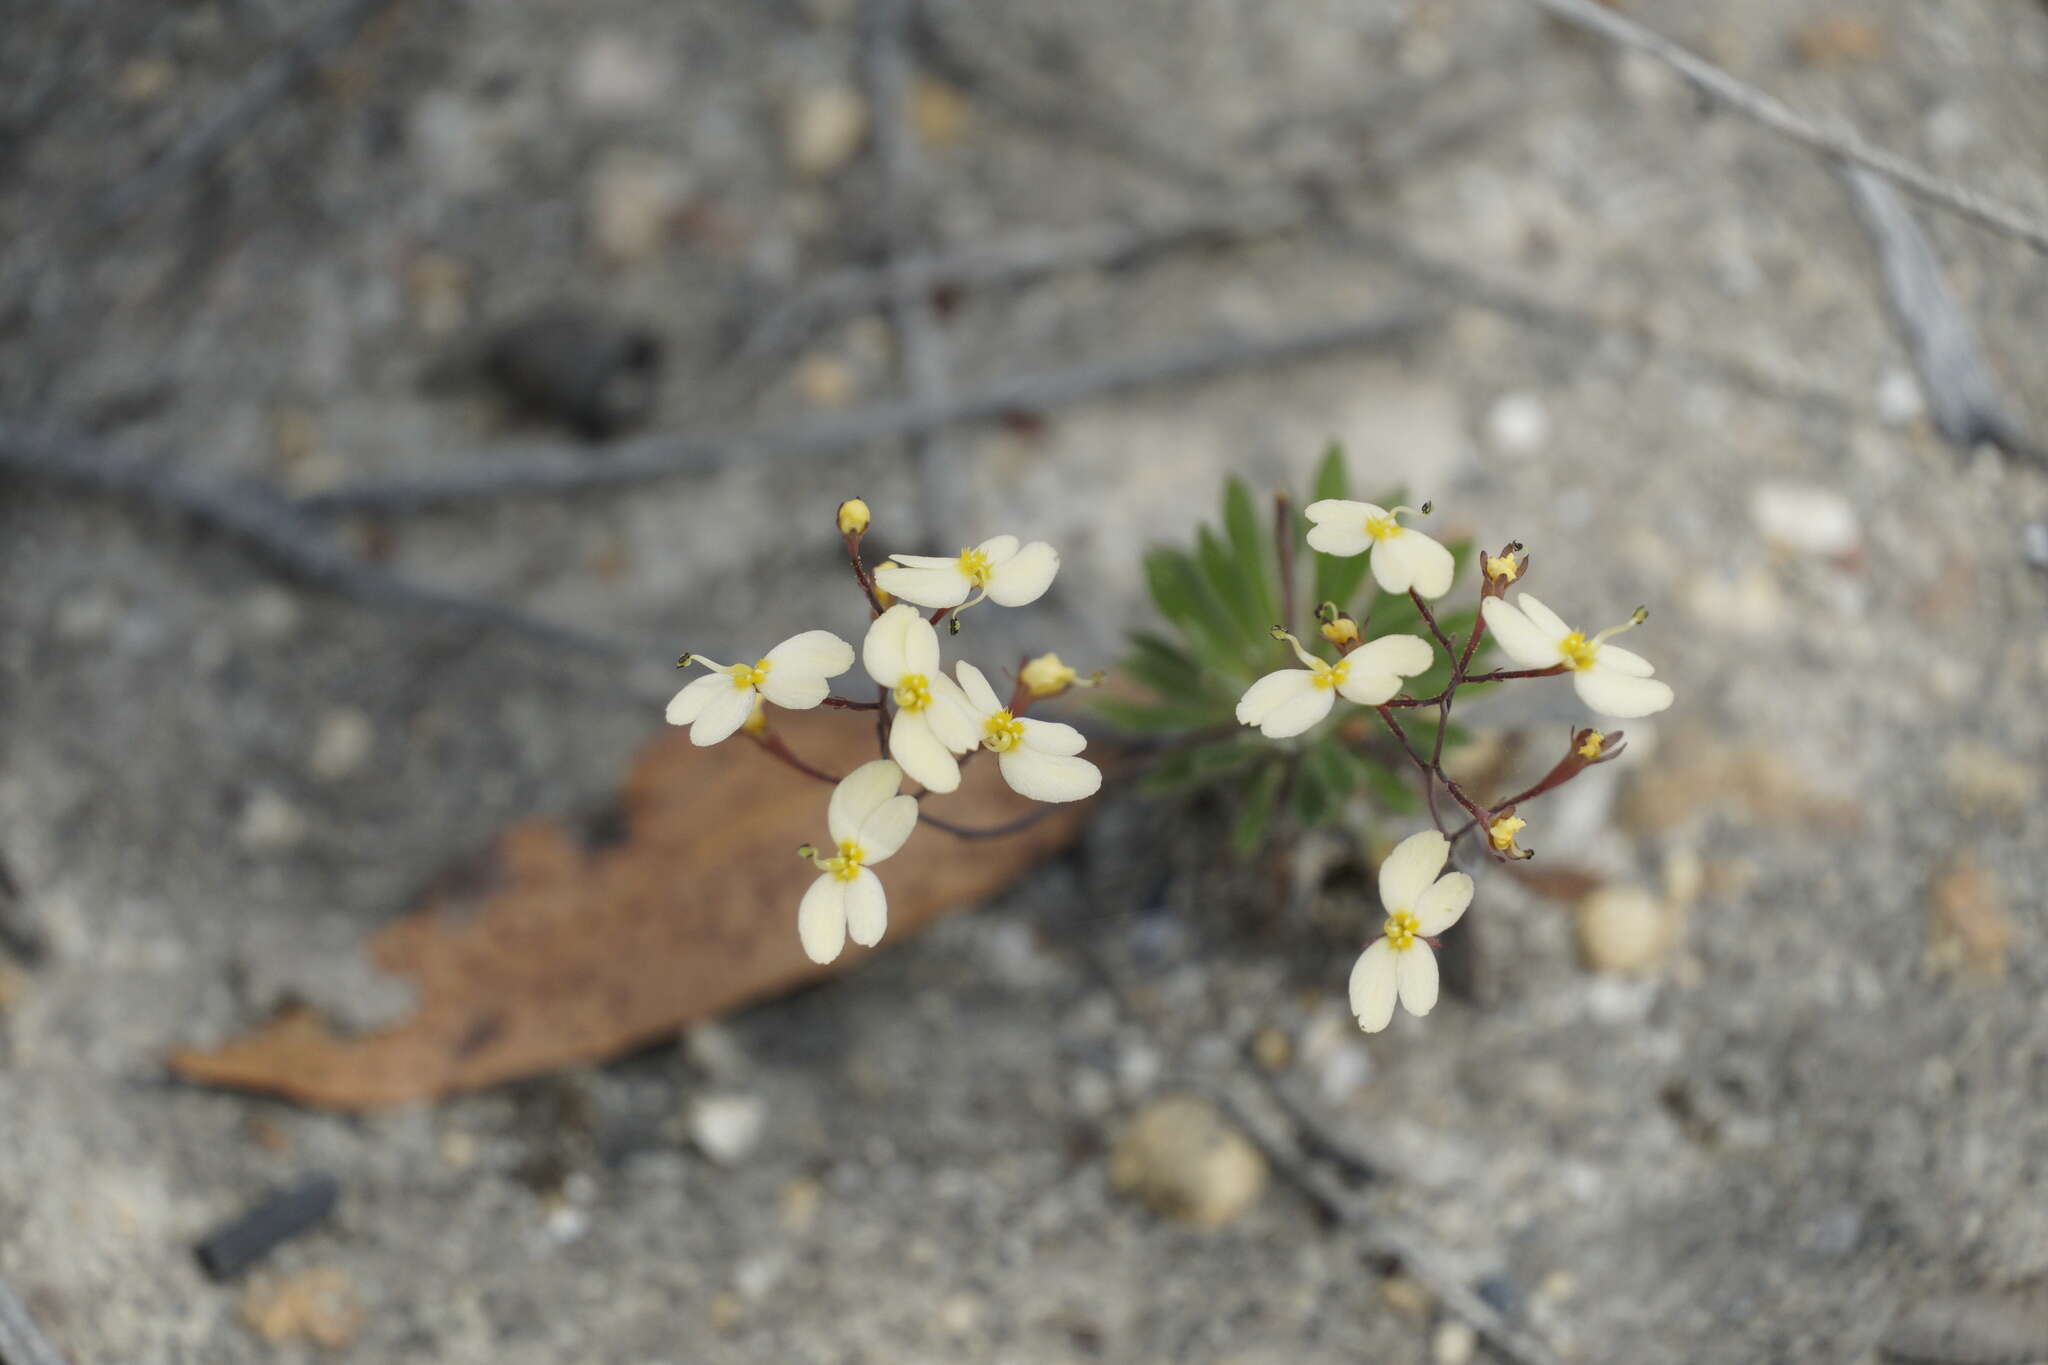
x,y
389,392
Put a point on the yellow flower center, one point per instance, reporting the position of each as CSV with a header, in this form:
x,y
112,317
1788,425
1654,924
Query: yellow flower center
x,y
1002,732
975,564
1382,527
744,677
1590,748
914,692
1578,651
1503,831
1501,567
1326,676
1401,929
846,866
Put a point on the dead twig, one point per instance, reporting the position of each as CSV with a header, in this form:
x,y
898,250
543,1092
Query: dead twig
x,y
662,457
275,532
1843,143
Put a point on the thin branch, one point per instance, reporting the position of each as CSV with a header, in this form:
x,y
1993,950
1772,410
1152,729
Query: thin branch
x,y
662,457
1842,142
274,532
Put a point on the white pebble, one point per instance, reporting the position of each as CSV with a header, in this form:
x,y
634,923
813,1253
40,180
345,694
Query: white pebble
x,y
1806,519
270,824
1899,399
342,741
1518,424
727,1128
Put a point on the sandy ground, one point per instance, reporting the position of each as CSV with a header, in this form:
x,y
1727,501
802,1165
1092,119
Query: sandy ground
x,y
1825,1098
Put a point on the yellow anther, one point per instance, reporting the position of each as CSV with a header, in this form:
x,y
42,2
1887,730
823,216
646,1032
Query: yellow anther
x,y
914,692
1578,651
1503,830
1002,732
1401,929
1383,527
976,566
1590,746
745,677
1502,567
1327,676
847,865
1341,631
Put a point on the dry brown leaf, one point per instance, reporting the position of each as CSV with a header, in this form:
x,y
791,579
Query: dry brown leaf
x,y
556,952
1753,785
317,1305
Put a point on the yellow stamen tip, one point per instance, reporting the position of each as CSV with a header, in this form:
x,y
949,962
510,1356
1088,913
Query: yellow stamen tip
x,y
1591,745
1401,930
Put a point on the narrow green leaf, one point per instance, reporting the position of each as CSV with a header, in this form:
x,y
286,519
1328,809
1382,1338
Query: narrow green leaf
x,y
1251,546
1333,476
1256,812
1152,718
1220,570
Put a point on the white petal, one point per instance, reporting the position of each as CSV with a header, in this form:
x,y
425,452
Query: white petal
x,y
935,587
999,548
1368,688
886,652
952,716
859,795
1406,655
1519,637
1339,538
867,908
722,714
1615,659
1025,576
821,919
1415,972
1292,717
980,695
1618,695
795,690
1051,737
1392,571
924,758
1430,566
1372,986
1341,509
1543,618
1410,868
1271,692
688,704
1049,777
883,832
927,561
1438,908
816,652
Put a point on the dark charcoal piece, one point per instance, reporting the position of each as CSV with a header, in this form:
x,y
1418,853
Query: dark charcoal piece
x,y
587,370
277,1218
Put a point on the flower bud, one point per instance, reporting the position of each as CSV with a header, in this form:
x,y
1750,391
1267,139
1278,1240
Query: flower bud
x,y
1047,676
757,720
1502,569
853,517
1501,832
1340,632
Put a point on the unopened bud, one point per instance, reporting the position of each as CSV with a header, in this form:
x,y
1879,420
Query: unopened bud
x,y
1341,631
1047,676
853,517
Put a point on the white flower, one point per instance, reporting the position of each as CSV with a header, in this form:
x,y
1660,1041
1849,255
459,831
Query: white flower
x,y
868,822
1612,680
1402,557
1291,700
792,675
1419,905
933,721
1002,572
1039,758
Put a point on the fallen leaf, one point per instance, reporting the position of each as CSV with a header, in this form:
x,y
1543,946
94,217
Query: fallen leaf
x,y
318,1305
568,945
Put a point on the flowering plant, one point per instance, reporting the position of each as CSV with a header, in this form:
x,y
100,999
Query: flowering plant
x,y
1400,664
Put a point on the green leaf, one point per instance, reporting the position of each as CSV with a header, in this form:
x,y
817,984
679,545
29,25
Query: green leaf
x,y
1256,812
1228,583
1332,767
1201,765
1152,718
1393,789
1168,669
1250,546
1311,797
1333,476
1186,600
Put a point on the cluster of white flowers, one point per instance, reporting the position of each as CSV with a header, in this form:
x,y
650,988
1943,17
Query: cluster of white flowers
x,y
1398,964
932,720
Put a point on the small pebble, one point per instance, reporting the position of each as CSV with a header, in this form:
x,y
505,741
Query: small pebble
x,y
1806,519
615,74
799,1202
272,612
727,1128
1185,1161
88,614
1518,424
342,740
633,203
1273,1049
1985,780
1455,1344
317,1305
1406,1296
825,381
1899,400
270,823
1623,929
822,129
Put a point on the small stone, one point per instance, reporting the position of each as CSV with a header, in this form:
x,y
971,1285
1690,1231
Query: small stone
x,y
1899,399
1969,932
614,74
438,289
458,1149
273,613
88,614
145,80
342,740
799,1202
1185,1161
634,201
756,1276
1455,1343
938,112
270,823
1273,1049
1988,781
726,1312
825,381
317,1305
1407,1297
1518,424
714,1049
1752,605
13,985
1806,519
727,1128
2034,544
1091,1093
1838,40
960,1314
822,129
1558,1286
1137,1069
1623,929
